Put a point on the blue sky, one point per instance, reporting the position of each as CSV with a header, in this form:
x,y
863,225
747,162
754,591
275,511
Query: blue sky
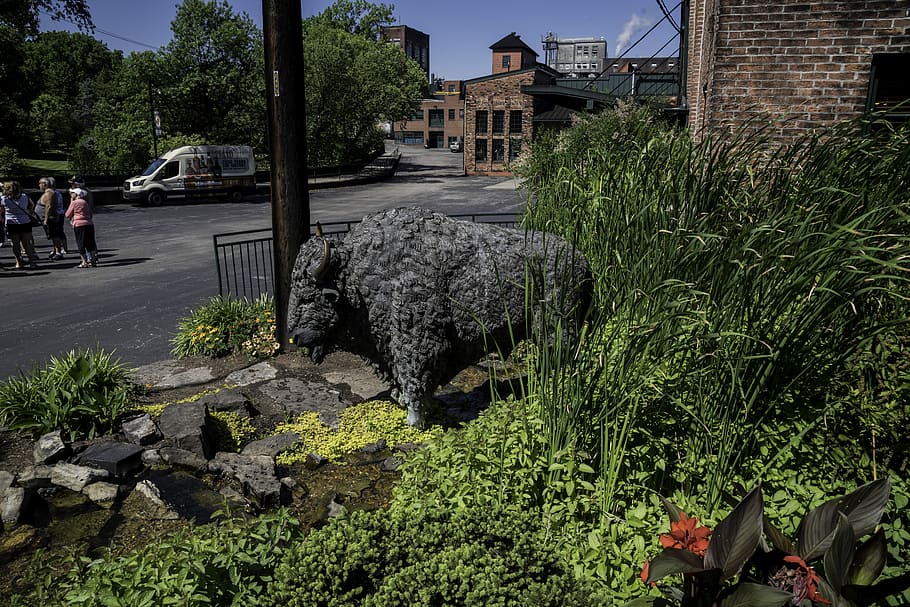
x,y
460,31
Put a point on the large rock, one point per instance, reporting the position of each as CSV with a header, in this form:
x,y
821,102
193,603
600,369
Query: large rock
x,y
181,458
255,473
141,430
35,477
271,445
228,399
11,502
119,459
50,448
102,493
74,477
188,426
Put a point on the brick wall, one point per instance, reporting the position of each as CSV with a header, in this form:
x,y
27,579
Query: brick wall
x,y
798,64
491,94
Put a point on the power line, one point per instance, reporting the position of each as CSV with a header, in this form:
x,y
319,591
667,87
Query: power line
x,y
106,33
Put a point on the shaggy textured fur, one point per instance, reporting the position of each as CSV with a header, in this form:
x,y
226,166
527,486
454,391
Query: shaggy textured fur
x,y
420,295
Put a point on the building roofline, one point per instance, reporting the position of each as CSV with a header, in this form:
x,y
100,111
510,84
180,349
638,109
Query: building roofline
x,y
538,66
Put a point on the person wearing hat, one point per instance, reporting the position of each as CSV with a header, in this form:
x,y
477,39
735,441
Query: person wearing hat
x,y
80,216
77,182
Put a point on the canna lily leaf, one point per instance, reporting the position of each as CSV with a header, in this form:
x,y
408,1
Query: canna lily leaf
x,y
674,560
756,595
648,601
839,555
736,537
777,537
869,560
672,509
863,508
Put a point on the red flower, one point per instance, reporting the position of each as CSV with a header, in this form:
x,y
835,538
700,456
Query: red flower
x,y
645,571
684,535
799,579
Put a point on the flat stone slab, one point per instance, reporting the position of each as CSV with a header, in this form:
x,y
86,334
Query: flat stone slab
x,y
190,377
258,373
362,381
151,374
295,396
117,458
74,477
271,445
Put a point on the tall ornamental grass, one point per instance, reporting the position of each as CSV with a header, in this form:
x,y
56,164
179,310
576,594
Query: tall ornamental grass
x,y
734,279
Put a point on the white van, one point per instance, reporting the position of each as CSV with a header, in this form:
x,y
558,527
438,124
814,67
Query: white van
x,y
195,171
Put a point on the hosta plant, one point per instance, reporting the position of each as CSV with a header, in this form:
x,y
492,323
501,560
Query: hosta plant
x,y
734,565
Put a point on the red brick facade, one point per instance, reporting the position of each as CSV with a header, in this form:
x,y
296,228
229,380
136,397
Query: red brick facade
x,y
800,64
493,94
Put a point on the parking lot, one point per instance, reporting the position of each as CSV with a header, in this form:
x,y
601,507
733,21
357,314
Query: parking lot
x,y
157,263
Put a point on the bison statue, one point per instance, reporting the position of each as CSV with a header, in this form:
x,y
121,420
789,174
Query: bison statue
x,y
422,296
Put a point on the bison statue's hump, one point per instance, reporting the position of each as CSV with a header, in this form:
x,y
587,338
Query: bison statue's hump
x,y
422,296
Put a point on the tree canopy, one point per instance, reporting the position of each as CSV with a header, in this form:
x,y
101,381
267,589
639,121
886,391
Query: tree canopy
x,y
69,92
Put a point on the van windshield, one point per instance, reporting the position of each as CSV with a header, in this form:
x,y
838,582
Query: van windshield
x,y
152,167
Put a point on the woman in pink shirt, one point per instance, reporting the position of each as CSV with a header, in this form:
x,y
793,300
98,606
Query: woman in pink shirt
x,y
80,216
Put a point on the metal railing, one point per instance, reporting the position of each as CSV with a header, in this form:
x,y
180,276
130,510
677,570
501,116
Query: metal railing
x,y
244,260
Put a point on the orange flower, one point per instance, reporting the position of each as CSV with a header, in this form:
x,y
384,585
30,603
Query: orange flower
x,y
645,571
684,535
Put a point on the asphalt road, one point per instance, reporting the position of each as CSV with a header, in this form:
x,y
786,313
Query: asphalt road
x,y
157,264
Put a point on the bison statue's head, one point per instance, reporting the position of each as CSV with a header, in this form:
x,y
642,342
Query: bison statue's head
x,y
314,299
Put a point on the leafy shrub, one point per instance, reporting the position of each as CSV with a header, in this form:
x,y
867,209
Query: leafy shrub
x,y
222,564
9,160
224,326
389,559
81,393
358,426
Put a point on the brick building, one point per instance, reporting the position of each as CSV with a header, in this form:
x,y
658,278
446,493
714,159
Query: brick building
x,y
414,43
803,64
439,121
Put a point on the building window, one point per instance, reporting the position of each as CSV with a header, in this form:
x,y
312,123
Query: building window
x,y
452,114
451,88
461,114
889,90
481,120
480,150
417,115
514,149
514,121
437,119
499,122
506,61
499,150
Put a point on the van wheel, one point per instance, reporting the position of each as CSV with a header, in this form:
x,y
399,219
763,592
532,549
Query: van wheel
x,y
155,198
235,196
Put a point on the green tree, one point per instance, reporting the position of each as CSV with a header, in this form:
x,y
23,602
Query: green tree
x,y
64,72
358,17
212,76
353,82
19,21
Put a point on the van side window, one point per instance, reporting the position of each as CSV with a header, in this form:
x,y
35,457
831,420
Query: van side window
x,y
171,169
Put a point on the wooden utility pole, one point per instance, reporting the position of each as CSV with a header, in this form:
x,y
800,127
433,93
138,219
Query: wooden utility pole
x,y
283,31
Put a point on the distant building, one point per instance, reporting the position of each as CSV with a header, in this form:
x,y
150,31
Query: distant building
x,y
414,43
510,54
575,57
439,122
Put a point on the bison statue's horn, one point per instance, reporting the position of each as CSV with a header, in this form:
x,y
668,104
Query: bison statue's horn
x,y
323,268
319,233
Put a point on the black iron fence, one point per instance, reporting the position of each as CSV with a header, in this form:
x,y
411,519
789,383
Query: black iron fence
x,y
244,260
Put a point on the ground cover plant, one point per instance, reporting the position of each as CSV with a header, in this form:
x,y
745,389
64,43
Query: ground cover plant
x,y
750,331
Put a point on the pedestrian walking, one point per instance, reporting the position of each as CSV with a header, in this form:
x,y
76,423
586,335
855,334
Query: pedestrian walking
x,y
19,215
80,215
